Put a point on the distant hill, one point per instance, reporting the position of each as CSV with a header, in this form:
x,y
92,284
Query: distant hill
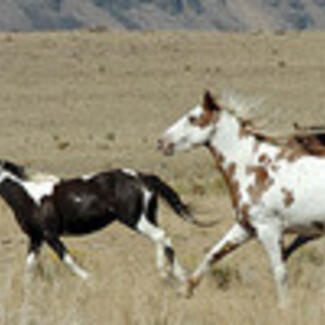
x,y
240,15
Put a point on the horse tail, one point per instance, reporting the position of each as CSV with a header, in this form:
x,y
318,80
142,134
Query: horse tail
x,y
173,199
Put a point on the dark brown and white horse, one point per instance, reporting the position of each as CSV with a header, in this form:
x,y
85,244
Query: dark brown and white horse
x,y
275,188
47,207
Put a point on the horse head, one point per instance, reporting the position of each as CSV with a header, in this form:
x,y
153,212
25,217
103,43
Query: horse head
x,y
193,129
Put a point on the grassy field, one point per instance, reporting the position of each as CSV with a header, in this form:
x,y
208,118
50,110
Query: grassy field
x,y
78,102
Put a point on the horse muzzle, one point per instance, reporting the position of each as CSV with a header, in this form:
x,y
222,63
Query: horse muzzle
x,y
166,147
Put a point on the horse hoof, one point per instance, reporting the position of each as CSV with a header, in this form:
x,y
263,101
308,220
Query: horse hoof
x,y
164,275
84,276
185,290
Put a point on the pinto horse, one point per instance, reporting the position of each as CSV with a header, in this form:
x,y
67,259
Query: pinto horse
x,y
275,189
47,207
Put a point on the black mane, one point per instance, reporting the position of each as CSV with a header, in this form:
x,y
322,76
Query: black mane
x,y
11,167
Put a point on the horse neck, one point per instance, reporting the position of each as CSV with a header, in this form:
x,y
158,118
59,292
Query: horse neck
x,y
230,143
16,197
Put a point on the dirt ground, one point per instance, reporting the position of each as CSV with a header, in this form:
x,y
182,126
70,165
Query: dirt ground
x,y
79,102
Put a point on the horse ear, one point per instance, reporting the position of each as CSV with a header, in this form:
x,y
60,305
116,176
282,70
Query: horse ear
x,y
209,103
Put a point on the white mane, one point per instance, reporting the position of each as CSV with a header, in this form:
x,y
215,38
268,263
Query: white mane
x,y
243,107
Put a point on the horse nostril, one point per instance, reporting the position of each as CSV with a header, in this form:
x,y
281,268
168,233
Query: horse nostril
x,y
169,149
166,147
160,144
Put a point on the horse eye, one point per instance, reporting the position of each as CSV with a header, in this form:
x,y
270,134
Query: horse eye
x,y
192,119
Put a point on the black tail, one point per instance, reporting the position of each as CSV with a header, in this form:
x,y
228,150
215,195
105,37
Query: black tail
x,y
168,194
172,198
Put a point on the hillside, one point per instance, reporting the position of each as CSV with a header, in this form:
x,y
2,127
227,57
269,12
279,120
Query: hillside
x,y
239,15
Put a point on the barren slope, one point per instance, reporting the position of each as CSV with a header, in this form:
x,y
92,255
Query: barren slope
x,y
162,14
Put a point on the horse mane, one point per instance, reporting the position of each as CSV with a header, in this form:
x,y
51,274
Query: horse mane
x,y
26,173
310,140
247,110
14,169
244,108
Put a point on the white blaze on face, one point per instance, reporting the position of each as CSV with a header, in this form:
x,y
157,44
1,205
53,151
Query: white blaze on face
x,y
185,133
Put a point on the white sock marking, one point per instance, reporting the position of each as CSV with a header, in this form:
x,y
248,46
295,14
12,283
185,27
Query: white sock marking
x,y
31,260
75,268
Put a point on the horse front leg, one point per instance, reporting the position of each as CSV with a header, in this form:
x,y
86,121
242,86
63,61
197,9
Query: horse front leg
x,y
34,248
59,248
270,235
235,237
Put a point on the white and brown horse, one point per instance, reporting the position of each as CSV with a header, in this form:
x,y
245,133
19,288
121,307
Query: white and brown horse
x,y
47,207
276,188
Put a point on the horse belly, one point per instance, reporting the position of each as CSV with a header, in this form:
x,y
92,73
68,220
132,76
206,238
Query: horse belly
x,y
85,215
79,225
299,204
307,215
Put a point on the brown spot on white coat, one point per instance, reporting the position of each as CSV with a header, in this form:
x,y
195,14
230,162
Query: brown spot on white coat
x,y
244,220
288,197
262,182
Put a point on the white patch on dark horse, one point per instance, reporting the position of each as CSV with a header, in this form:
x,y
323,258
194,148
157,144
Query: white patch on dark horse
x,y
276,187
163,243
130,172
39,190
47,210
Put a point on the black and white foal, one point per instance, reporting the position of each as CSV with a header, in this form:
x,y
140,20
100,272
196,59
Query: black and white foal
x,y
47,207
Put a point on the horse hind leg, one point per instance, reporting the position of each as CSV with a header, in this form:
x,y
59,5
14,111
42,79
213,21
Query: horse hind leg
x,y
299,241
177,269
164,248
63,253
147,225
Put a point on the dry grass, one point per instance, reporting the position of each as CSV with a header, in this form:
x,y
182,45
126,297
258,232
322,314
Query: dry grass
x,y
78,102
